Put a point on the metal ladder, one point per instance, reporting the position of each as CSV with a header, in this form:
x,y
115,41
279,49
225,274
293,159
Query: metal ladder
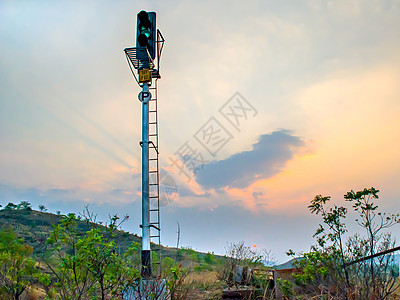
x,y
154,177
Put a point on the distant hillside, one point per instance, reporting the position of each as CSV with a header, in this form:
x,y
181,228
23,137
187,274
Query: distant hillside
x,y
35,228
288,264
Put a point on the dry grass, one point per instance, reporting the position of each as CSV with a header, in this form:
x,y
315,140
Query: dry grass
x,y
204,277
396,295
204,285
34,293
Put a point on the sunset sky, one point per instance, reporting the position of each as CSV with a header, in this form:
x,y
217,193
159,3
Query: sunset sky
x,y
319,82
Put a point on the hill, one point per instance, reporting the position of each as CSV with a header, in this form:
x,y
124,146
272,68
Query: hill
x,y
35,228
288,264
103,256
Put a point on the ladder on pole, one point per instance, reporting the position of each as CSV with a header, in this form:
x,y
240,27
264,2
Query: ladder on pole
x,y
139,58
154,177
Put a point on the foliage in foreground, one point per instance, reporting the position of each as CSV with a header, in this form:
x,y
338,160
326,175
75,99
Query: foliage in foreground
x,y
88,265
91,265
85,264
17,270
328,269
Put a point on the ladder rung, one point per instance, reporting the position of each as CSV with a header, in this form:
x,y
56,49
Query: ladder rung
x,y
152,111
154,209
153,134
151,123
153,158
153,183
154,236
153,196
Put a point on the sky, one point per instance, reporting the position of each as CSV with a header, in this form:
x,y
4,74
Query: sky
x,y
262,106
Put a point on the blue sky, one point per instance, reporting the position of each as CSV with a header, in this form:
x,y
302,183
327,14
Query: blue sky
x,y
320,80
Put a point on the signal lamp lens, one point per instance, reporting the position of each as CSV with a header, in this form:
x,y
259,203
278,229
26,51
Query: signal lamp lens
x,y
144,25
143,15
143,40
146,32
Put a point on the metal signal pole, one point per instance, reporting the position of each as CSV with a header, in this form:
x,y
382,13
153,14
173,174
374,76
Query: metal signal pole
x,y
145,58
144,97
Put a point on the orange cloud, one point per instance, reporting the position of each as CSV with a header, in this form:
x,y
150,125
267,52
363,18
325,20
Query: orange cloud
x,y
354,126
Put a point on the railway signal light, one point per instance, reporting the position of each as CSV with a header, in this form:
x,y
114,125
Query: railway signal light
x,y
146,31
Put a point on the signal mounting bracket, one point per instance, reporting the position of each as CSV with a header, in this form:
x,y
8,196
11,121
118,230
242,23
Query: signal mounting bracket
x,y
139,58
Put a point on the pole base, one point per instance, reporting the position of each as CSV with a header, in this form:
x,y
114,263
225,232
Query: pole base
x,y
146,264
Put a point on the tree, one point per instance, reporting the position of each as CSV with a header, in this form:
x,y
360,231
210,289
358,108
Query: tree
x,y
42,208
376,275
333,218
66,262
238,254
107,268
88,265
24,205
326,269
18,269
175,282
209,258
10,206
167,264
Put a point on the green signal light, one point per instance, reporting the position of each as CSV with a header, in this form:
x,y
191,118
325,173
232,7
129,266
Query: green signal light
x,y
144,28
146,35
146,32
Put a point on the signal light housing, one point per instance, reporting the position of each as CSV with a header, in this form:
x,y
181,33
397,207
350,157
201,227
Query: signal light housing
x,y
146,32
